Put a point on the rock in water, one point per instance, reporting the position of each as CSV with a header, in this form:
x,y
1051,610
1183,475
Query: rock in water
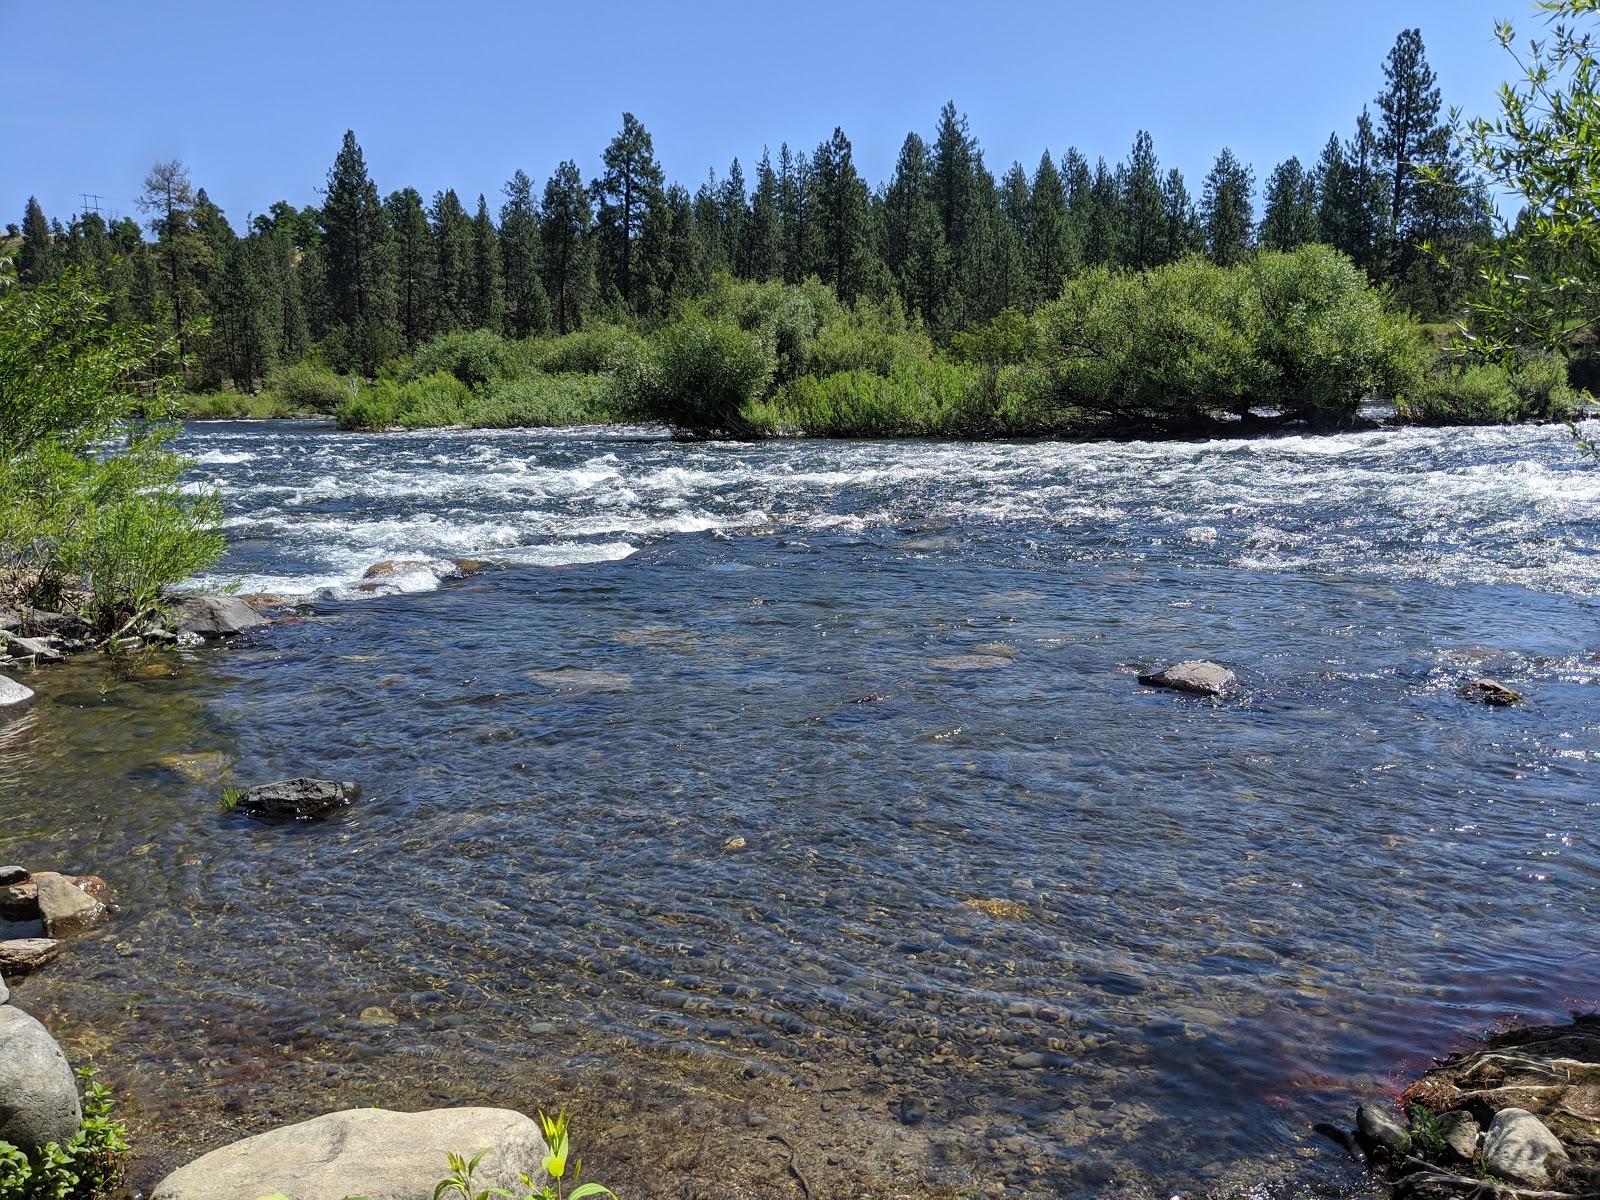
x,y
1496,695
12,874
366,1152
38,1094
1197,676
216,616
1520,1148
63,905
298,799
13,695
21,955
1378,1130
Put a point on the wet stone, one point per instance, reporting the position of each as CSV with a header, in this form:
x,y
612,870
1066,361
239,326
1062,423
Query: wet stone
x,y
1197,676
12,874
1488,691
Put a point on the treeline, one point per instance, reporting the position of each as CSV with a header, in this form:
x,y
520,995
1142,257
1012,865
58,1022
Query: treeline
x,y
363,279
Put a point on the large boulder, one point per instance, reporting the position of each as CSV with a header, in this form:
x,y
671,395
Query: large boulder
x,y
38,1093
63,905
1519,1147
216,616
1197,675
13,696
5,992
368,1152
298,799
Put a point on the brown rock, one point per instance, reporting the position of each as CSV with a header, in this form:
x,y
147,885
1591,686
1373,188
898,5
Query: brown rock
x,y
22,955
1487,691
64,905
396,566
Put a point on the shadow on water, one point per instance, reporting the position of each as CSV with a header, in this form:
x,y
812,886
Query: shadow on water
x,y
848,855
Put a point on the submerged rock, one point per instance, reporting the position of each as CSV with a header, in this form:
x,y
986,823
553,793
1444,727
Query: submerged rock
x,y
298,799
216,616
1487,691
368,1152
22,955
1198,676
38,1093
13,695
1519,1147
63,905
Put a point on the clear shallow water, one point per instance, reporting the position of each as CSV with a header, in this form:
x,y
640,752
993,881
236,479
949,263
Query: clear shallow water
x,y
903,674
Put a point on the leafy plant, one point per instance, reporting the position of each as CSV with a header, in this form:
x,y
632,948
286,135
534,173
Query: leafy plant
x,y
1426,1134
563,1170
231,795
90,1164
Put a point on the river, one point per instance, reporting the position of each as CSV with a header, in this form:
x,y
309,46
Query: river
x,y
689,809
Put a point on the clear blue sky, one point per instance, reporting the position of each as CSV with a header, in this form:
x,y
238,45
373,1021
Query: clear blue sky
x,y
255,96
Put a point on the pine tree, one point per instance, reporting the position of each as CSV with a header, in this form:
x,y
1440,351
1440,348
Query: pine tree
x,y
1143,215
1050,251
763,233
1183,233
733,210
527,307
913,235
36,257
454,281
625,195
487,304
565,223
1290,216
356,267
1227,211
844,219
411,241
169,197
799,227
1409,132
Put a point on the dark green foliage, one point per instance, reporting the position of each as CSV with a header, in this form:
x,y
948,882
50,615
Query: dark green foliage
x,y
1290,219
527,306
1227,210
843,219
357,276
36,258
698,375
628,193
565,235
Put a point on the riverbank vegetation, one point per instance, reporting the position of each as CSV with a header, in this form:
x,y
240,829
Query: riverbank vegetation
x,y
1075,298
94,521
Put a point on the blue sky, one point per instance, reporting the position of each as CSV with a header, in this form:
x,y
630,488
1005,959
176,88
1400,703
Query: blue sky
x,y
255,96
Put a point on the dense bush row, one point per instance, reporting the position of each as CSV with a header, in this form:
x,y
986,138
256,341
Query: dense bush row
x,y
1191,347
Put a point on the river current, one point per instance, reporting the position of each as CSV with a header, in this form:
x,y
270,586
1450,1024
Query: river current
x,y
793,813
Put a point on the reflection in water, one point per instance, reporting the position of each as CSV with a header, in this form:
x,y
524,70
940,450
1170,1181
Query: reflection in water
x,y
1094,933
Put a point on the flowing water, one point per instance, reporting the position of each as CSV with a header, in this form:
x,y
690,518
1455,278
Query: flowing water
x,y
698,797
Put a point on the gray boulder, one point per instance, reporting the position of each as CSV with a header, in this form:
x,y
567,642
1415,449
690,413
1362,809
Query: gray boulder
x,y
368,1152
38,1094
63,905
298,799
1520,1148
1460,1132
5,992
1377,1130
44,650
13,695
1197,675
216,616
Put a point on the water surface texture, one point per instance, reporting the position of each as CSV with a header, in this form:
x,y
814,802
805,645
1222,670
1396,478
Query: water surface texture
x,y
715,775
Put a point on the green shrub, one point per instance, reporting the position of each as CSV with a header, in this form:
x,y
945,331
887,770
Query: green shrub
x,y
1301,332
543,400
434,400
587,351
87,1166
307,387
1534,389
475,357
92,517
698,376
